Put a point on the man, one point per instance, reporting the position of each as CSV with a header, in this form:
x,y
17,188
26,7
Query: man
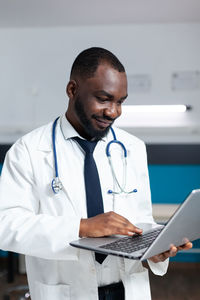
x,y
40,224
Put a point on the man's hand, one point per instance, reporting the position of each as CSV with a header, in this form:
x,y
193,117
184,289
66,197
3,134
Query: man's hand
x,y
107,224
170,253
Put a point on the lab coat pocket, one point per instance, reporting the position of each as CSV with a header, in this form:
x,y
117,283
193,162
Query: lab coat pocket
x,y
52,292
137,285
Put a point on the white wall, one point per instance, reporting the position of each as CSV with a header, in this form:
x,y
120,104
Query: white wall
x,y
35,65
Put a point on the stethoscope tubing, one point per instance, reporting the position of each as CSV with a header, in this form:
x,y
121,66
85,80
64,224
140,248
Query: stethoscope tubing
x,y
54,147
56,184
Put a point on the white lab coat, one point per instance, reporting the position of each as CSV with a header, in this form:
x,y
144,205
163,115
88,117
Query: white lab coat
x,y
40,224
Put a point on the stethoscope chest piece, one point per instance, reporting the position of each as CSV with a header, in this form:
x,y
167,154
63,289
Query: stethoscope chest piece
x,y
56,185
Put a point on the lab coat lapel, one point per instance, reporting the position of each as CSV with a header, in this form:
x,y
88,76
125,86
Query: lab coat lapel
x,y
72,181
72,189
45,146
69,191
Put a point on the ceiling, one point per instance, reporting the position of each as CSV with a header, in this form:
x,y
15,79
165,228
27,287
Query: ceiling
x,y
51,13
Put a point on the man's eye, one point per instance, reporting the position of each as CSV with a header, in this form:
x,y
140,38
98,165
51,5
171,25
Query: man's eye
x,y
101,99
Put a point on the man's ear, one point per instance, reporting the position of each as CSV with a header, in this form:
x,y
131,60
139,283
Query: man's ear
x,y
71,89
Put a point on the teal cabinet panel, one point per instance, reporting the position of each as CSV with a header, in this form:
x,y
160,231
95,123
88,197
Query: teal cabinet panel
x,y
172,183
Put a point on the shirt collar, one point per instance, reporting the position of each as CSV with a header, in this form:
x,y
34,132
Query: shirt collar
x,y
69,131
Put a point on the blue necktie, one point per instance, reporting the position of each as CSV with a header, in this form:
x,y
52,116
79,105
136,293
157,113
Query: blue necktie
x,y
92,184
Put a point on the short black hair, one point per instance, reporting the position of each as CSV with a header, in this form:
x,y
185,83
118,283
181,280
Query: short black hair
x,y
87,62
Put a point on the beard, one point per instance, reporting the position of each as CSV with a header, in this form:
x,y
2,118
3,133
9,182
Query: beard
x,y
87,124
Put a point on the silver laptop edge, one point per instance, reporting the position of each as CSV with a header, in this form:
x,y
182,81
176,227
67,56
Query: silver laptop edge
x,y
187,217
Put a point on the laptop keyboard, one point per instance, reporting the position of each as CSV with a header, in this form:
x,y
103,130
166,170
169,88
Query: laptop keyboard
x,y
133,243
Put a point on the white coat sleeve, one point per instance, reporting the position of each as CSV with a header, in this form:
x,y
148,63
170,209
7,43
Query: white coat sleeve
x,y
22,230
159,268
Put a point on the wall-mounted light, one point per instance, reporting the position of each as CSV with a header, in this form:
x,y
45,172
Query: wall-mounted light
x,y
156,108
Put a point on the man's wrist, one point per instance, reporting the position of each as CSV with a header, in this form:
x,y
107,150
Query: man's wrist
x,y
83,228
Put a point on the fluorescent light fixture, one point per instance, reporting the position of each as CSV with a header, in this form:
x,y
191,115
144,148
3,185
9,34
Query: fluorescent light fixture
x,y
155,108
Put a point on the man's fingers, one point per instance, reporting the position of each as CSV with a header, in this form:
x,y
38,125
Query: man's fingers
x,y
122,225
129,232
173,250
107,224
136,230
187,246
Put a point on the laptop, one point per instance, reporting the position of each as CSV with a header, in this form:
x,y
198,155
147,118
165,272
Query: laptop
x,y
183,226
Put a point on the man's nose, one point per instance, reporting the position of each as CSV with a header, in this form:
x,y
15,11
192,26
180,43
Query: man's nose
x,y
112,111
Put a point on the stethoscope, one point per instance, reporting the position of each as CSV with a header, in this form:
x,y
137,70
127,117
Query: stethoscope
x,y
56,184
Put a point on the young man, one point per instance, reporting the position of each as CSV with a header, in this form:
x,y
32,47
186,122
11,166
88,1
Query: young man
x,y
39,223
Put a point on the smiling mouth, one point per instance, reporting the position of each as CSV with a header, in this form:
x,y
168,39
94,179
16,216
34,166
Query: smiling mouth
x,y
103,123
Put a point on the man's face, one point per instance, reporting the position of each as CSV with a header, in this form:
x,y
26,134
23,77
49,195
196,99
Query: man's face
x,y
98,100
